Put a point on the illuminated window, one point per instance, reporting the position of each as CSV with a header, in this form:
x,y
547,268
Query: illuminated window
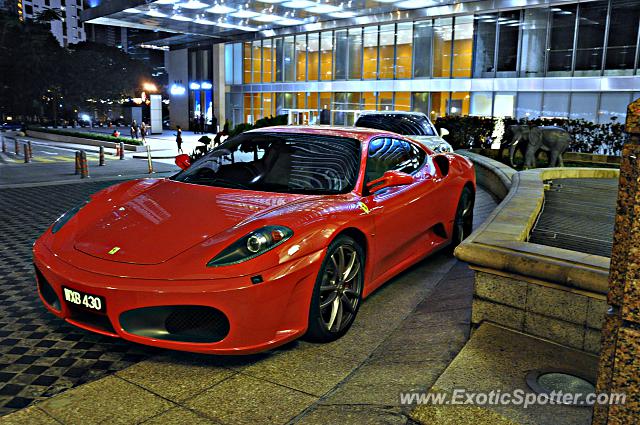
x,y
289,58
623,36
267,61
534,42
257,106
439,102
301,57
355,53
421,102
370,61
369,101
442,36
385,101
402,101
422,39
563,21
256,62
326,56
246,63
462,46
403,50
591,29
313,54
459,103
248,115
387,39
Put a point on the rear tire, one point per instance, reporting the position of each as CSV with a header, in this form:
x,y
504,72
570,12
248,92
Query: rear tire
x,y
463,221
337,293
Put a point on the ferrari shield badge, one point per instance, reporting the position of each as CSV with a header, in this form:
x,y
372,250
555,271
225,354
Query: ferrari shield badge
x,y
114,250
363,207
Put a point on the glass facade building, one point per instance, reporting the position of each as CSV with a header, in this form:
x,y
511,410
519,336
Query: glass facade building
x,y
576,60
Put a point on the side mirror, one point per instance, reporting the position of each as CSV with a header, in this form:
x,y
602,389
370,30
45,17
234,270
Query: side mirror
x,y
443,132
183,161
388,179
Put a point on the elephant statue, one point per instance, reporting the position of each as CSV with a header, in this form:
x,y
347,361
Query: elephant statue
x,y
553,140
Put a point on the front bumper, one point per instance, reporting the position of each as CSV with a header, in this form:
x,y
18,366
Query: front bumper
x,y
260,316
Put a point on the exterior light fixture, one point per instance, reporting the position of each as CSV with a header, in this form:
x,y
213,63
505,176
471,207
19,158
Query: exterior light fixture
x,y
177,90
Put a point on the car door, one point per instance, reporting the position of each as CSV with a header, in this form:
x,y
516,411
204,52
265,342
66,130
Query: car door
x,y
402,214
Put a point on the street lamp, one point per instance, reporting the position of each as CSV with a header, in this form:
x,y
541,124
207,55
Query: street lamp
x,y
150,87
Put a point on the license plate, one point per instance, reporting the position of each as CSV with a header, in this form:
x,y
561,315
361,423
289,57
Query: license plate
x,y
83,300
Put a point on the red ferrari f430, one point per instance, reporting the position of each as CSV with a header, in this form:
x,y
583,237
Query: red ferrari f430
x,y
276,234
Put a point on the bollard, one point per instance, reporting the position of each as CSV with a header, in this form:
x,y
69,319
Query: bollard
x,y
149,162
121,150
16,146
77,162
101,156
26,155
4,145
84,166
30,150
117,150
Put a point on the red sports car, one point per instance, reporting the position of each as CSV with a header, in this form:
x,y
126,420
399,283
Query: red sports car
x,y
275,234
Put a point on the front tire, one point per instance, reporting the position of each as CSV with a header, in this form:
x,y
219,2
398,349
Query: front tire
x,y
337,293
463,221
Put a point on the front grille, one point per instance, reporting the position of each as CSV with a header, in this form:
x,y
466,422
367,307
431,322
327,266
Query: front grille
x,y
93,320
46,290
193,321
184,323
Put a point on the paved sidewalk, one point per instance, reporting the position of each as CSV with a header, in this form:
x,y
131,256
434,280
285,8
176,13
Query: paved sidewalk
x,y
405,335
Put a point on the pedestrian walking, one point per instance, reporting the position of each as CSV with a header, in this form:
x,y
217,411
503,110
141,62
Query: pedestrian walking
x,y
179,138
203,130
143,132
195,124
214,123
134,128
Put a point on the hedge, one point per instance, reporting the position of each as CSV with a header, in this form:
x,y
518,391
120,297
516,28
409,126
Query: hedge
x,y
86,135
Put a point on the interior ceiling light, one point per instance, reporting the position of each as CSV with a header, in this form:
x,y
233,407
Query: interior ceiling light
x,y
299,4
220,9
156,13
132,10
414,4
179,17
242,13
193,4
236,27
343,14
323,8
203,21
289,21
267,18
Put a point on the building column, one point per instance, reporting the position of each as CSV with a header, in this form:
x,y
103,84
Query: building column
x,y
219,85
177,64
620,355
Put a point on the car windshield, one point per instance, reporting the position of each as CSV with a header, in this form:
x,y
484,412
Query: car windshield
x,y
280,162
405,124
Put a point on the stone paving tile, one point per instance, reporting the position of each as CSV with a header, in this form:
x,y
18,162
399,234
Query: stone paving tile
x,y
179,415
381,383
242,399
41,355
174,379
31,416
109,400
312,373
353,415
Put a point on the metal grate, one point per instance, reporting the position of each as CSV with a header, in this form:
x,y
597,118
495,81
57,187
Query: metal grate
x,y
578,215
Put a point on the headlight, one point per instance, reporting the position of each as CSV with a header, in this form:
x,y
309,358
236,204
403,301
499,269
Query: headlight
x,y
251,245
62,220
443,147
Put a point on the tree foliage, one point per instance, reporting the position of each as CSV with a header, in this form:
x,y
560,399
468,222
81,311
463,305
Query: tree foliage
x,y
39,77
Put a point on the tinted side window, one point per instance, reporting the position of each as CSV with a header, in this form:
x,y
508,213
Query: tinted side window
x,y
392,154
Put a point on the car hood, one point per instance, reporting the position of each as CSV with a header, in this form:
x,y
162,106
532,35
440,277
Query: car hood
x,y
153,225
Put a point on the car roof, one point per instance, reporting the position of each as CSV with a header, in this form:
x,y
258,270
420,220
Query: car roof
x,y
391,112
361,133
